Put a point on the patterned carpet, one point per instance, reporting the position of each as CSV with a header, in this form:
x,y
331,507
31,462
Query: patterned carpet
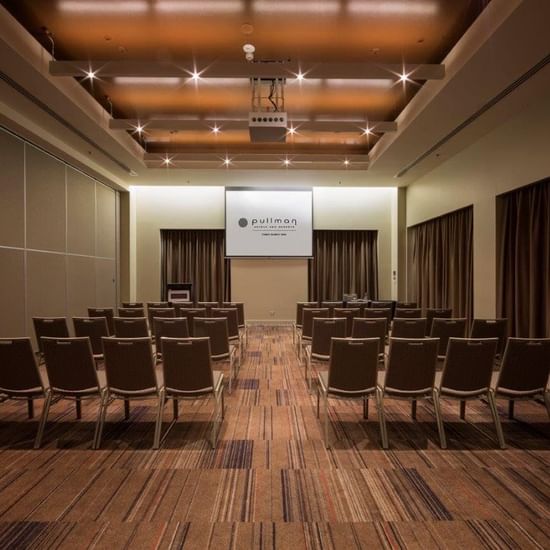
x,y
271,483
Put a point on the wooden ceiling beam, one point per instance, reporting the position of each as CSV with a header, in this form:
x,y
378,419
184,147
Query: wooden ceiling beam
x,y
244,69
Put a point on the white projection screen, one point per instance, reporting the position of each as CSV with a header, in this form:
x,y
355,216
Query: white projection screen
x,y
268,222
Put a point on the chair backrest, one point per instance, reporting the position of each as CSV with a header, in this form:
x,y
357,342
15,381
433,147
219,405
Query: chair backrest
x,y
131,312
132,305
232,316
348,313
436,313
526,365
158,304
469,364
370,328
179,306
95,328
187,366
308,313
491,328
190,314
411,365
49,326
240,311
408,313
356,304
406,305
131,327
299,310
445,329
18,368
216,329
208,306
129,365
323,330
381,304
409,328
331,305
377,313
161,312
353,365
168,327
107,312
70,364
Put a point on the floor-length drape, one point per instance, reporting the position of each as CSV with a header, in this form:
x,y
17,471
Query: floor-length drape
x,y
523,280
440,263
343,262
196,256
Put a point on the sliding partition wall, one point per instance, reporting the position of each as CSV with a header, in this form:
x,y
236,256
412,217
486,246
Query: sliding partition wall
x,y
196,256
58,235
523,276
440,262
343,262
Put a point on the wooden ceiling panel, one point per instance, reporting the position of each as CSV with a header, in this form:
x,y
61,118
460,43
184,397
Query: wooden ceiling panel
x,y
306,31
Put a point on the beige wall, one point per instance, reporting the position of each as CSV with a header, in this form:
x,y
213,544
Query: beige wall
x,y
57,238
269,288
514,154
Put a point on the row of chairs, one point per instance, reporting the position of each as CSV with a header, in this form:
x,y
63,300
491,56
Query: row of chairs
x,y
410,374
328,309
316,343
129,374
225,339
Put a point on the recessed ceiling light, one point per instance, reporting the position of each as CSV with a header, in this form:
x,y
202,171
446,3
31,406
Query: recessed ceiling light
x,y
215,129
195,76
286,162
139,128
367,131
346,162
300,76
404,77
90,74
226,161
291,130
167,161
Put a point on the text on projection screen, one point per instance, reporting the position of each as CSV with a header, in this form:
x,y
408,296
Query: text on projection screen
x,y
268,223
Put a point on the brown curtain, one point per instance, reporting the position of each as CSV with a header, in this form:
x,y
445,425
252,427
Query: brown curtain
x,y
198,257
523,285
441,263
343,262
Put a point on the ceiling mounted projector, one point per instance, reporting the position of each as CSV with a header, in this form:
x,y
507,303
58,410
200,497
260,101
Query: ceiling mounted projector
x,y
267,127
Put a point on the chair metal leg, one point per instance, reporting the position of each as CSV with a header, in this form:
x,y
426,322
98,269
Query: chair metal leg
x,y
175,404
439,419
223,403
382,418
158,423
78,403
30,407
498,427
102,414
547,402
511,409
413,409
326,420
462,409
215,421
43,419
95,443
318,399
126,409
365,407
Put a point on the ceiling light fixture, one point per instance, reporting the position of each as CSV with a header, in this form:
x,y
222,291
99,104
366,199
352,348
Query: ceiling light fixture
x,y
300,76
286,161
291,130
346,162
367,131
215,129
167,161
226,161
404,77
195,76
90,74
139,128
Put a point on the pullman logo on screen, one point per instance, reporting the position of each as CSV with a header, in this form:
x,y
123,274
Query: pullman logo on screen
x,y
261,224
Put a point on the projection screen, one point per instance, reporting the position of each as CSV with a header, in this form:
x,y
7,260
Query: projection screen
x,y
268,222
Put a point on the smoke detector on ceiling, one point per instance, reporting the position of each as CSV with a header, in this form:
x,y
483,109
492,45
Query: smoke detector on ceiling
x,y
249,50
